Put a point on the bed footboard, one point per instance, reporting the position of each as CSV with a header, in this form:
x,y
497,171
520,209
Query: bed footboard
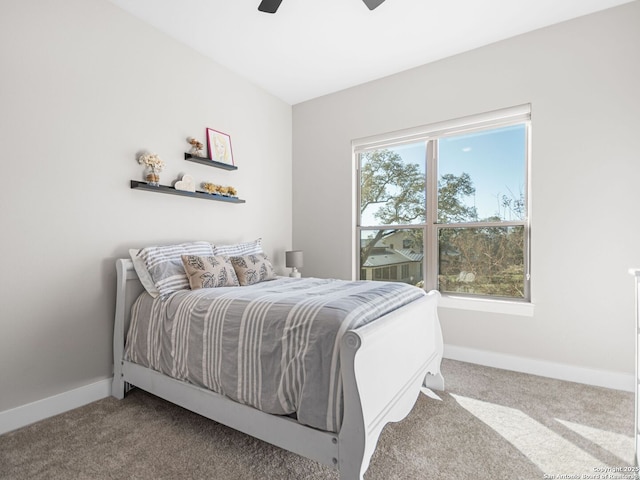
x,y
384,366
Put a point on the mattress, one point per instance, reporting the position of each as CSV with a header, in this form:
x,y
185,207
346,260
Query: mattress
x,y
273,346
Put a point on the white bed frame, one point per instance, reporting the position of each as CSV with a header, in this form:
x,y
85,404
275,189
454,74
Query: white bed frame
x,y
384,366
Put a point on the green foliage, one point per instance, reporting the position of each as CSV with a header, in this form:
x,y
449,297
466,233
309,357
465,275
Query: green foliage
x,y
397,186
451,193
477,260
494,256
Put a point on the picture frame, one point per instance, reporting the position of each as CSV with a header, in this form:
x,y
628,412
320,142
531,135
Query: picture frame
x,y
219,147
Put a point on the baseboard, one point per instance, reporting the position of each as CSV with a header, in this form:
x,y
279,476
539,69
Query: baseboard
x,y
48,407
559,371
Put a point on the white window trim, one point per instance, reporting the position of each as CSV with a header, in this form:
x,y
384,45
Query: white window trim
x,y
489,305
472,122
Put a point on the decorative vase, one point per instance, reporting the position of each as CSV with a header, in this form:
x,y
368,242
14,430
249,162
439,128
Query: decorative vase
x,y
152,176
196,152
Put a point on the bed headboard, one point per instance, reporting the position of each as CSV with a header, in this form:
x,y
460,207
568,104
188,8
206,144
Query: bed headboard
x,y
127,290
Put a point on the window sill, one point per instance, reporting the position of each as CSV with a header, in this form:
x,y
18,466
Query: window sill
x,y
506,307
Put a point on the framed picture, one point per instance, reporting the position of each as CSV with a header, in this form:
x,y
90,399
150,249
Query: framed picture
x,y
219,146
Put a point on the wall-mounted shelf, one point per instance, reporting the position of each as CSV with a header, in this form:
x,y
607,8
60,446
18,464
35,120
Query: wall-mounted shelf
x,y
172,191
209,162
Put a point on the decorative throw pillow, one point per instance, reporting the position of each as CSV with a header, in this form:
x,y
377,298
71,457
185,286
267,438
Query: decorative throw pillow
x,y
239,249
252,269
164,264
209,272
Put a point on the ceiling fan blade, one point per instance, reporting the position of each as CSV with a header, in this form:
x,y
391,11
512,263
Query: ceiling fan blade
x,y
372,3
270,6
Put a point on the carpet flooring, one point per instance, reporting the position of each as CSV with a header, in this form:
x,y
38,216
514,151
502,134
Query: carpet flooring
x,y
488,424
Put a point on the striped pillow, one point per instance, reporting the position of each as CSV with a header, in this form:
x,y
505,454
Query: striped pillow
x,y
239,249
143,274
165,264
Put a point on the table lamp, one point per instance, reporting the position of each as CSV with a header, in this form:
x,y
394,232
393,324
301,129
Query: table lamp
x,y
294,261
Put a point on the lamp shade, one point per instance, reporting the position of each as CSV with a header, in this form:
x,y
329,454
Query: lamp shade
x,y
293,259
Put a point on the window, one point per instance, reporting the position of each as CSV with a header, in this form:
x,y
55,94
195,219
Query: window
x,y
448,204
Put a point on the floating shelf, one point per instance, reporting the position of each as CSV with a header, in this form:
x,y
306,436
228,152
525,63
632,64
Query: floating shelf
x,y
209,162
172,191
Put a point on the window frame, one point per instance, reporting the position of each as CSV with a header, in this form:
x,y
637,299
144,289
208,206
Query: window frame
x,y
431,134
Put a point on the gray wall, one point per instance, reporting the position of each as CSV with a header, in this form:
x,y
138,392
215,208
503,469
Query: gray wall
x,y
581,78
83,87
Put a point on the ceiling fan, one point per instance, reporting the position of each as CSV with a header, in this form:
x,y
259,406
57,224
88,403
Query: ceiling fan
x,y
270,6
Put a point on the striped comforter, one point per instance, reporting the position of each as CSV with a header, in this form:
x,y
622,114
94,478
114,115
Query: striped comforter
x,y
273,345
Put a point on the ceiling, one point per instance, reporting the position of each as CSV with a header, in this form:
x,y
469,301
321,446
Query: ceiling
x,y
311,48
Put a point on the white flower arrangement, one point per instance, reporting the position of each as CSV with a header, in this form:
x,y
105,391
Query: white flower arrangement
x,y
196,146
152,161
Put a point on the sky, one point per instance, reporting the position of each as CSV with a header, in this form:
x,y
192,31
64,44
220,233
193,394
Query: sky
x,y
495,160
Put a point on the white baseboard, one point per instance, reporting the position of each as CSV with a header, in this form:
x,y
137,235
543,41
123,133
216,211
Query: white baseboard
x,y
48,407
559,371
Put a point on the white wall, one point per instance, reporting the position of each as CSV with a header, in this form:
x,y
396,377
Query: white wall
x,y
581,78
83,87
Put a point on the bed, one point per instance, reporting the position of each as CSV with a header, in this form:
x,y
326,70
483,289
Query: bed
x,y
383,367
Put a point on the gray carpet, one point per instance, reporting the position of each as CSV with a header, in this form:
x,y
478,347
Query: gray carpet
x,y
489,424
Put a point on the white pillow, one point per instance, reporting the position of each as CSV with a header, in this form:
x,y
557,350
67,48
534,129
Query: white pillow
x,y
143,273
239,249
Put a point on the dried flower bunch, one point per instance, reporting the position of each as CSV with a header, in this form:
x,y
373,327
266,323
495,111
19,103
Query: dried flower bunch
x,y
195,143
151,160
219,189
209,187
